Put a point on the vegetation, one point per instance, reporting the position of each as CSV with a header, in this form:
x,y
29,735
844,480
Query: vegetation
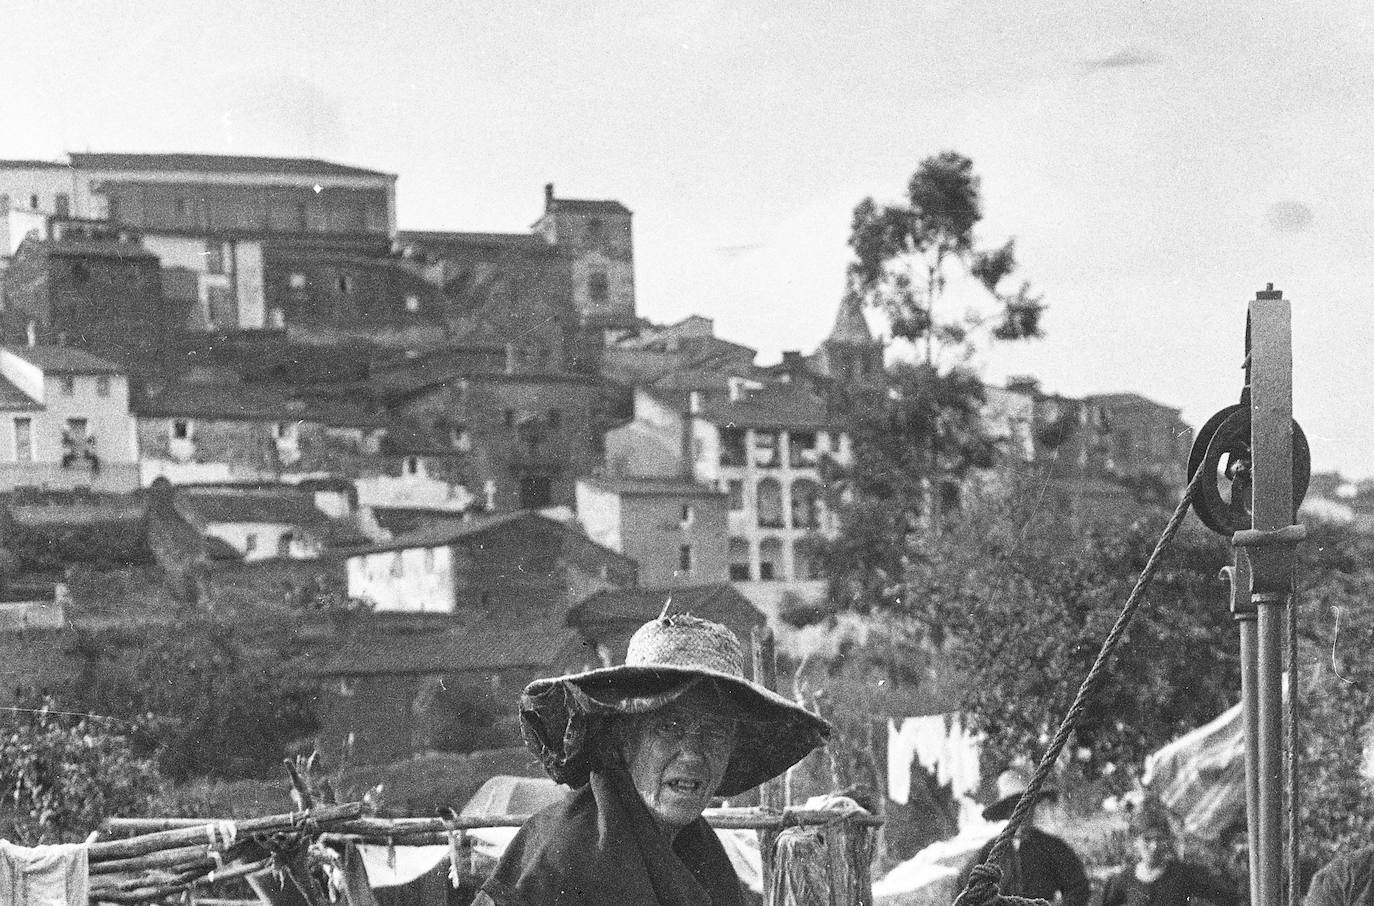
x,y
62,773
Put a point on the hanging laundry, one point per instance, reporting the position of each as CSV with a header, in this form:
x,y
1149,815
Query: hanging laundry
x,y
55,875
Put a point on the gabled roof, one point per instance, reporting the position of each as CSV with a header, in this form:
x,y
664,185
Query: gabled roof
x,y
471,530
228,507
479,649
64,360
441,240
12,399
218,163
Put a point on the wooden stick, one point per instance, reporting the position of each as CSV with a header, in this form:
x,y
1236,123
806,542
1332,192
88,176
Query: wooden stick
x,y
161,859
169,839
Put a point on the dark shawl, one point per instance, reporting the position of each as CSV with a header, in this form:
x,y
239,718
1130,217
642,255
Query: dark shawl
x,y
601,847
1042,866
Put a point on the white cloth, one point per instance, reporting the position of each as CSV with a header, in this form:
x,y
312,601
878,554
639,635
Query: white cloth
x,y
389,866
55,875
937,743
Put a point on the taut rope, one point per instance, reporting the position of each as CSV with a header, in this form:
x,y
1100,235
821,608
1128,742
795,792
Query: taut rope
x,y
982,888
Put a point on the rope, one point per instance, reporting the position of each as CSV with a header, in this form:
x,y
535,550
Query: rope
x,y
1292,854
982,887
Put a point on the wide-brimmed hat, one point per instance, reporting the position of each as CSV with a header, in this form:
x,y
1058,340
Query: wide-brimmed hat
x,y
1011,784
561,717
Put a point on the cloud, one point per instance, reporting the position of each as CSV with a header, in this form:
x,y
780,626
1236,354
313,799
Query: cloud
x,y
1125,58
1288,216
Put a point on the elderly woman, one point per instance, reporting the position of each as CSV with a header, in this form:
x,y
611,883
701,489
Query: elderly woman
x,y
646,746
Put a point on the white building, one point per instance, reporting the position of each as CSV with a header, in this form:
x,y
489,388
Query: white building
x,y
69,421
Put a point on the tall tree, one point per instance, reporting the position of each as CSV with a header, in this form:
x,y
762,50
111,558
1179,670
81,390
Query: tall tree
x,y
903,252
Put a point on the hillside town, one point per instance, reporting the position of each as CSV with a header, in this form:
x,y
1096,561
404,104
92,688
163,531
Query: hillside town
x,y
456,461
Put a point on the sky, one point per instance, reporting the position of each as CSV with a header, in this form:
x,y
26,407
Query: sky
x,y
1157,163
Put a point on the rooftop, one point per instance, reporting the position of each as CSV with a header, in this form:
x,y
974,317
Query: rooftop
x,y
653,487
775,406
587,206
239,402
230,507
218,163
31,165
64,360
13,399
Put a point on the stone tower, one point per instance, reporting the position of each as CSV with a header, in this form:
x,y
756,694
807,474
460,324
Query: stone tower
x,y
598,239
850,353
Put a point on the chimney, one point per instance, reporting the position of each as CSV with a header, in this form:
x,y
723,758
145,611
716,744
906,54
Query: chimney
x,y
548,196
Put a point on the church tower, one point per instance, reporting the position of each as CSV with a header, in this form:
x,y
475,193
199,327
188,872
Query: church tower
x,y
850,354
597,237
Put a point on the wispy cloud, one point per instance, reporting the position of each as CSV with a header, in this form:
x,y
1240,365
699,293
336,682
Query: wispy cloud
x,y
1289,216
1125,58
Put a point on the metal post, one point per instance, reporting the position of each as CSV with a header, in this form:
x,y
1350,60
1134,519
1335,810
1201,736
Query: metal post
x,y
1271,442
1243,610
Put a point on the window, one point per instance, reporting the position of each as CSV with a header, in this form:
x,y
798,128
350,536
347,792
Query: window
x,y
684,558
510,418
598,287
429,559
284,544
398,565
596,230
102,385
33,202
23,439
766,449
181,430
345,284
250,543
214,257
736,491
412,465
801,449
770,559
80,272
62,204
68,384
732,446
769,503
112,209
555,418
739,560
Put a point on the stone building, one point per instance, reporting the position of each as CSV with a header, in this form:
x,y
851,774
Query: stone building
x,y
506,569
598,240
89,285
675,530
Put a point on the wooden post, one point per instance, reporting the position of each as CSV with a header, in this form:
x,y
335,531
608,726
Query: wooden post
x,y
771,794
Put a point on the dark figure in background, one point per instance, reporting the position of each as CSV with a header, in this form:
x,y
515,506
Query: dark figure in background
x,y
1348,880
1159,877
1036,864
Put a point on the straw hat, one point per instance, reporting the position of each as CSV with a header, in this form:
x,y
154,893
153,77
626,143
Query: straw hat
x,y
1011,783
561,716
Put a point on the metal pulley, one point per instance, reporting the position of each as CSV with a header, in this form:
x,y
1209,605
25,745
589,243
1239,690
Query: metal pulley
x,y
1222,450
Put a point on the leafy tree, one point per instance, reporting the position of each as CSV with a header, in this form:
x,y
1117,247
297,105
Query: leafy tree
x,y
62,773
902,254
227,693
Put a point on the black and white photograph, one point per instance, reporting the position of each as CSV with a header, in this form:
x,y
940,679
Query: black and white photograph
x,y
901,453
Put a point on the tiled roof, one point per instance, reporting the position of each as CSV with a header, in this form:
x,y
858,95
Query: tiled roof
x,y
12,399
771,407
446,535
440,240
218,163
240,402
229,507
478,649
64,360
654,487
31,165
588,206
88,248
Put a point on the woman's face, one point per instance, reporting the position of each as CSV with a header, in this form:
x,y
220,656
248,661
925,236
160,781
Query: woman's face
x,y
1154,848
677,758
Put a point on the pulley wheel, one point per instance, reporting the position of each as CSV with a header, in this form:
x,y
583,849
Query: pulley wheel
x,y
1222,450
